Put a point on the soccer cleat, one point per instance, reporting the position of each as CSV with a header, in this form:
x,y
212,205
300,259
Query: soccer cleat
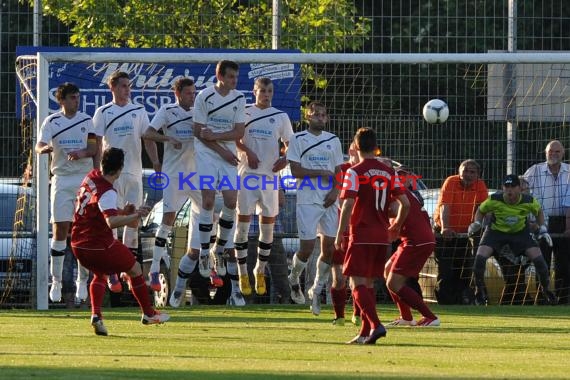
x,y
481,298
399,322
204,266
260,287
55,291
244,285
81,292
316,305
356,320
314,294
236,299
155,281
296,293
428,322
215,279
549,297
176,298
98,326
338,322
359,339
220,264
377,333
114,283
155,319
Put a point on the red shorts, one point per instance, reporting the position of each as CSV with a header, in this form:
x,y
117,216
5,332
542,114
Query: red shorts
x,y
365,260
409,260
114,259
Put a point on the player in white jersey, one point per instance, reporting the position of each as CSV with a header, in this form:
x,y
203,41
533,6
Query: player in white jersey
x,y
175,122
121,124
259,158
219,116
315,156
69,136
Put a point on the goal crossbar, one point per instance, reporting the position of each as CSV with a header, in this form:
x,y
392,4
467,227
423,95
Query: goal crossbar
x,y
306,58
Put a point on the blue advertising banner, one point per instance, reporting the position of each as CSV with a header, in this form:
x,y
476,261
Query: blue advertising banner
x,y
152,82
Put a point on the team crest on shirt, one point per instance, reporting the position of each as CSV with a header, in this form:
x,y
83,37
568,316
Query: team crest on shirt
x,y
329,146
271,120
134,115
235,108
83,129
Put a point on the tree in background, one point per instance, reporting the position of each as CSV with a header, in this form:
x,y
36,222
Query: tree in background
x,y
308,25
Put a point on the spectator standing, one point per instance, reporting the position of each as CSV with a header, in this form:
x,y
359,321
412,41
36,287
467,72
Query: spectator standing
x,y
458,201
549,183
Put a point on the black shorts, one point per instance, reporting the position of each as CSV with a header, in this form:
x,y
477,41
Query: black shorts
x,y
518,242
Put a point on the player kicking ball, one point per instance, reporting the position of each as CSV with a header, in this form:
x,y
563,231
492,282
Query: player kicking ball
x,y
94,245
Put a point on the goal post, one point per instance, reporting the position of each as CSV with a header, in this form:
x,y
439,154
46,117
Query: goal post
x,y
384,91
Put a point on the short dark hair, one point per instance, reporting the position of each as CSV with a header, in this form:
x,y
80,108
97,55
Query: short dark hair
x,y
224,65
65,89
112,161
265,81
312,106
365,140
115,76
182,82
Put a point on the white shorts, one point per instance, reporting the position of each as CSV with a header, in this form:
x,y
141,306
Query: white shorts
x,y
267,202
313,219
174,198
214,174
129,189
63,195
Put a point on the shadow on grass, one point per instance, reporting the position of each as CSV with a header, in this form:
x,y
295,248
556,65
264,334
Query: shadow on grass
x,y
97,373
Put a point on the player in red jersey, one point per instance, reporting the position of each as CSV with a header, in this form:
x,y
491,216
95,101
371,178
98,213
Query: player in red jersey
x,y
367,190
93,244
338,286
417,244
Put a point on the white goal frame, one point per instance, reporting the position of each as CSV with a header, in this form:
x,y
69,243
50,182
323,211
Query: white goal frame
x,y
45,58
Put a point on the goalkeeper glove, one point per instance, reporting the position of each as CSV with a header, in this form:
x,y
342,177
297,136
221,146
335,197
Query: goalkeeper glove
x,y
474,228
543,234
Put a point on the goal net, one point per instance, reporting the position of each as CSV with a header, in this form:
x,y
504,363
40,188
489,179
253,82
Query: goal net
x,y
504,109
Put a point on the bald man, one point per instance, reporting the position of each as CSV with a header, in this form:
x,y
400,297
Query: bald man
x,y
548,182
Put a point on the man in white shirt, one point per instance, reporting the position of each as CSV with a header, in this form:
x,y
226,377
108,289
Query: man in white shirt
x,y
121,124
176,122
219,116
69,136
315,156
549,183
259,160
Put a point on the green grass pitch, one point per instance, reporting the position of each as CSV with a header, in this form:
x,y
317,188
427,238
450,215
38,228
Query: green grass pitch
x,y
285,342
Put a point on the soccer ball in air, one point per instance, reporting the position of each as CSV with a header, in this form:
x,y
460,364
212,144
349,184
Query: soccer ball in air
x,y
436,111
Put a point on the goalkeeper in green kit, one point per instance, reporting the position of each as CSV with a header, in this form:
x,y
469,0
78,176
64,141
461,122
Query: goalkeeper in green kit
x,y
508,226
